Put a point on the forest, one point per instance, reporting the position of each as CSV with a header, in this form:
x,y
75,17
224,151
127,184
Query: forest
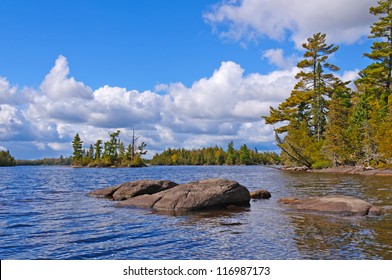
x,y
326,123
46,161
215,156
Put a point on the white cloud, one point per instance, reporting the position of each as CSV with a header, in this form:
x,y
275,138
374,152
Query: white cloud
x,y
12,122
276,57
59,146
57,85
212,111
344,21
2,148
8,94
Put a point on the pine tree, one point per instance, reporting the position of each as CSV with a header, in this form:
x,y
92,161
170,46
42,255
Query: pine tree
x,y
374,87
338,144
245,155
307,101
304,113
98,149
77,145
377,76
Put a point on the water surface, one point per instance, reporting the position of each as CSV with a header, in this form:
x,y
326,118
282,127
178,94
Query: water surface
x,y
45,214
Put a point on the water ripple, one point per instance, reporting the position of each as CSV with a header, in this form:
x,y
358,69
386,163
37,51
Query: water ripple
x,y
45,214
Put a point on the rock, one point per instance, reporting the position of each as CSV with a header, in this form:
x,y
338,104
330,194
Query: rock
x,y
339,204
289,200
375,211
198,195
295,168
260,194
135,188
106,192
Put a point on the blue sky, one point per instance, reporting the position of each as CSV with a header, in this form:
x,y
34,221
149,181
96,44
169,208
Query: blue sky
x,y
182,73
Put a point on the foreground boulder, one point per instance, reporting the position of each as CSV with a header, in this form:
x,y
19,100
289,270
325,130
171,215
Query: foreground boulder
x,y
131,189
339,204
260,194
198,195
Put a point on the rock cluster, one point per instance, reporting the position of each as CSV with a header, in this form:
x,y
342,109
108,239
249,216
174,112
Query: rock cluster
x,y
168,196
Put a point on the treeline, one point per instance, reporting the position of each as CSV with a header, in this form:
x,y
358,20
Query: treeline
x,y
324,122
215,156
6,159
110,153
46,161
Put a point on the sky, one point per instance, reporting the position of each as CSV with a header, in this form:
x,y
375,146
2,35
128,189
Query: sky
x,y
182,74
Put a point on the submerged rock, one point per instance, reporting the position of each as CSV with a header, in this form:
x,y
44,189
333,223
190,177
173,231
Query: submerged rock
x,y
130,189
260,194
198,195
339,204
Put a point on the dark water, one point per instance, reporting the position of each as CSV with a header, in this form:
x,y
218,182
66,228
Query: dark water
x,y
45,214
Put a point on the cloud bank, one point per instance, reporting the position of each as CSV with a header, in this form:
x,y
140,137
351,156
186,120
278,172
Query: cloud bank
x,y
345,21
214,110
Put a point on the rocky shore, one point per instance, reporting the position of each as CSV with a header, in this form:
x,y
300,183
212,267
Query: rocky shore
x,y
350,170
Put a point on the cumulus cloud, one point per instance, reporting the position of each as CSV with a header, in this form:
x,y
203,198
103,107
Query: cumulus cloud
x,y
58,86
345,21
8,94
12,122
214,110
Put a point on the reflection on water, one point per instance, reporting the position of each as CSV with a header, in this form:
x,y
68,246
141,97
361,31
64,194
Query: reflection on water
x,y
45,214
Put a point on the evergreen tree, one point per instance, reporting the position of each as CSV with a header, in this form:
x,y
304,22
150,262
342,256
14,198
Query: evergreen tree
x,y
111,146
373,111
307,101
231,158
338,144
78,152
6,159
98,150
305,111
377,76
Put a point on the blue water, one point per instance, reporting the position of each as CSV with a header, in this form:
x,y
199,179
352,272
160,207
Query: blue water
x,y
45,214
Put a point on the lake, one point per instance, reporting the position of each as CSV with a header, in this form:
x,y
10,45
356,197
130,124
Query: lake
x,y
46,214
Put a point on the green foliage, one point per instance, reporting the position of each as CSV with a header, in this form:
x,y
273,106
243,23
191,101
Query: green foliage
x,y
77,145
321,164
324,122
215,156
113,152
6,159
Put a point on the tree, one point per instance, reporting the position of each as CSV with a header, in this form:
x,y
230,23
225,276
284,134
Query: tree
x,y
98,149
304,113
378,74
307,101
245,155
6,159
338,144
231,158
111,146
374,107
77,145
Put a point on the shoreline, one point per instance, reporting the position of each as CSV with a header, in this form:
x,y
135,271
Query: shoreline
x,y
347,170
